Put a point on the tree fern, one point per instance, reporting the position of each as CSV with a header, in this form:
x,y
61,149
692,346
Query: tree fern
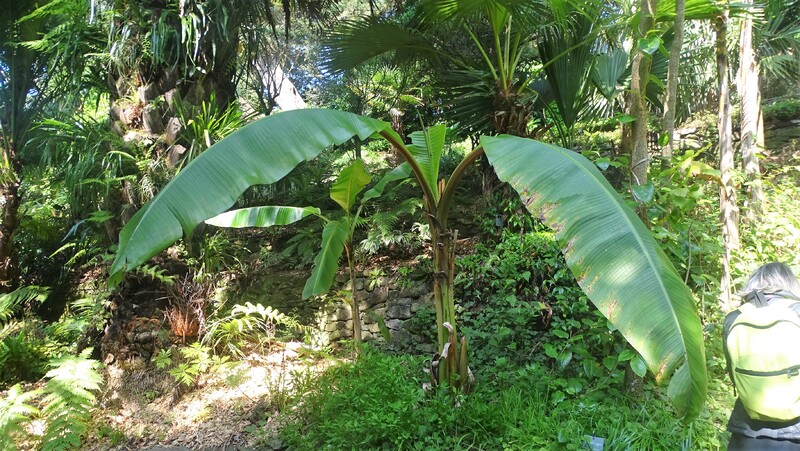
x,y
15,411
69,400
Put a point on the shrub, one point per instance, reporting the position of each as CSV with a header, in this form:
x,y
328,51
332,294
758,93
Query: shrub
x,y
783,110
521,304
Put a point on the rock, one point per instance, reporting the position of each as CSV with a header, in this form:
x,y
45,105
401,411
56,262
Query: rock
x,y
342,313
399,312
168,80
151,120
394,324
370,317
414,291
174,154
147,92
400,301
173,129
378,296
170,97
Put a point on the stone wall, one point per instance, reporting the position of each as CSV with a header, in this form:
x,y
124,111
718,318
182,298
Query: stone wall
x,y
384,301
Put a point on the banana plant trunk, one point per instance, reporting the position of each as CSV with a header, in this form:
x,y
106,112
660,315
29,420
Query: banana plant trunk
x,y
443,242
355,308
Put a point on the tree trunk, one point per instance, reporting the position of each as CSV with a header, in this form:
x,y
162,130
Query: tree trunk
x,y
640,70
751,110
672,80
144,95
9,193
729,214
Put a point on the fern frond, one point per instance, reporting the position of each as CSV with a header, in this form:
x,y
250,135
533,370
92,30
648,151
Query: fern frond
x,y
14,412
10,301
156,273
69,400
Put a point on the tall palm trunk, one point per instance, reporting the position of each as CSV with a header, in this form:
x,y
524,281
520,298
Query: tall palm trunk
x,y
672,78
727,195
751,111
640,70
9,221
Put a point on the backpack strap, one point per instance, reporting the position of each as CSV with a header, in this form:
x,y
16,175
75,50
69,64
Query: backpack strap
x,y
756,298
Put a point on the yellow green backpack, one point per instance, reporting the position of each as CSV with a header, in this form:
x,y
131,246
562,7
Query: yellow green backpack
x,y
763,345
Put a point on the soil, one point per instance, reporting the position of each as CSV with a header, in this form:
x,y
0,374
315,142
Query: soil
x,y
143,408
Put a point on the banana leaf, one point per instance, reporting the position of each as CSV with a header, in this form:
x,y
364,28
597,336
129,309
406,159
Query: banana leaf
x,y
261,216
614,257
260,153
351,181
326,263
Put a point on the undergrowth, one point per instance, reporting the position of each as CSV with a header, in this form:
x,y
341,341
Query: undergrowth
x,y
378,403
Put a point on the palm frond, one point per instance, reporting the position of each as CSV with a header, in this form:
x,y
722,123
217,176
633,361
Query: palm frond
x,y
355,42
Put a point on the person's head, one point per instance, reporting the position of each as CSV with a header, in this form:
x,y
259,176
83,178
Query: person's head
x,y
771,278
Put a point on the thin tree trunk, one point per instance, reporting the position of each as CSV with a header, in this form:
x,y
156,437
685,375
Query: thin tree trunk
x,y
9,193
640,68
727,196
672,79
751,110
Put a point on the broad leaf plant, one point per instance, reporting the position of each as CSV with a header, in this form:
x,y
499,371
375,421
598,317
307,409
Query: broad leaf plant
x,y
615,259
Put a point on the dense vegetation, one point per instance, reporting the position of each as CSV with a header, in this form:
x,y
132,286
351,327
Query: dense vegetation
x,y
531,169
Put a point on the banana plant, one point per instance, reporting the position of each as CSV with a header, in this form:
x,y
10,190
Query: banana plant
x,y
614,257
337,235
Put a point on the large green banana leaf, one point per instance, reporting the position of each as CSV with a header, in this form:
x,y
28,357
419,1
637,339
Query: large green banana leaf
x,y
614,257
426,147
326,263
260,153
351,181
262,216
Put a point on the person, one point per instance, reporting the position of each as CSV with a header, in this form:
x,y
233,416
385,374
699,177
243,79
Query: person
x,y
776,282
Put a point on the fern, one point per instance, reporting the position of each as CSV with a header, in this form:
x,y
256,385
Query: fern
x,y
156,273
69,399
247,323
10,301
15,411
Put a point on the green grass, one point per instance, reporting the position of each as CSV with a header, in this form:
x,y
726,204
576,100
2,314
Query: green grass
x,y
378,403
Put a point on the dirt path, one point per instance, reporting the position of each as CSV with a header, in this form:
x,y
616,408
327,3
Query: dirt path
x,y
144,409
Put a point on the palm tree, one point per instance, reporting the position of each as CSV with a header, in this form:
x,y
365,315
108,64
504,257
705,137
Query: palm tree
x,y
169,59
42,57
769,44
729,212
672,77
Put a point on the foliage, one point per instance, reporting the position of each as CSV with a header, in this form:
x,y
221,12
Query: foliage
x,y
66,406
246,326
682,214
515,409
69,400
782,110
573,198
775,234
15,410
566,189
193,362
205,125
